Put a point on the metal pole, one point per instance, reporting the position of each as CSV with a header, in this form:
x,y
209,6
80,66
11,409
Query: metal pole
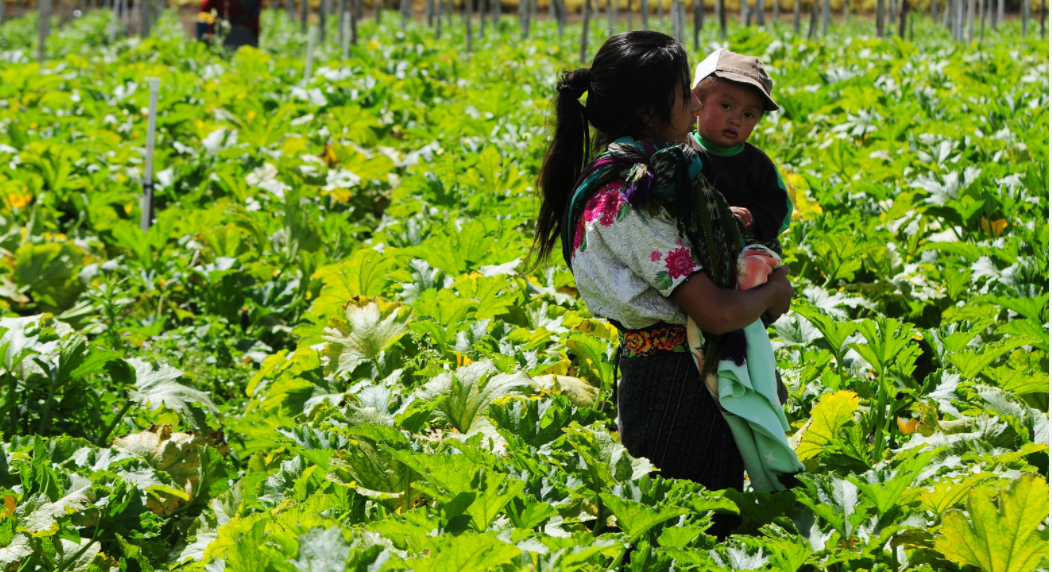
x,y
146,218
304,12
644,12
880,18
812,28
760,9
825,16
796,17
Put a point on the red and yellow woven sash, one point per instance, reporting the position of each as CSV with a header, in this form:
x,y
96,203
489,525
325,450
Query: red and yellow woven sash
x,y
658,339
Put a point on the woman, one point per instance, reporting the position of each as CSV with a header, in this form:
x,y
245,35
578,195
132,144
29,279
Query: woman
x,y
650,243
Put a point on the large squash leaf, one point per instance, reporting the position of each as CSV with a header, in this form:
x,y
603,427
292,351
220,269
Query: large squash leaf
x,y
1002,538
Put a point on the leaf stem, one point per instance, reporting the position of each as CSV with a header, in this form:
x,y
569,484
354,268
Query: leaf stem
x,y
45,419
879,429
12,401
113,424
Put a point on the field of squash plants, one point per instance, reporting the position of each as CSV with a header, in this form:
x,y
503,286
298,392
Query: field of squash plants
x,y
328,353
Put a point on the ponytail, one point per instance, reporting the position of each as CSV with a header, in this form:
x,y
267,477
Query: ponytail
x,y
563,162
634,76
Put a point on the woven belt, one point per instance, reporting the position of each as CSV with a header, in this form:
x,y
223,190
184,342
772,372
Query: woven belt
x,y
658,339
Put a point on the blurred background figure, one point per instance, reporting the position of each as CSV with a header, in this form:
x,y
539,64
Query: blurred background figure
x,y
237,19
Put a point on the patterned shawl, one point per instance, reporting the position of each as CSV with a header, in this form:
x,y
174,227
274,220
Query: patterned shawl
x,y
672,174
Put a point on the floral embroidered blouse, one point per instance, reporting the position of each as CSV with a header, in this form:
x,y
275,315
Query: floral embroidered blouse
x,y
627,261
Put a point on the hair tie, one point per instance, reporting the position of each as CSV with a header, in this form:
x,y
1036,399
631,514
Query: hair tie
x,y
575,83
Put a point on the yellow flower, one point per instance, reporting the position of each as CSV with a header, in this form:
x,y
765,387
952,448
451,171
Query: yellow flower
x,y
463,360
908,426
342,195
19,201
994,228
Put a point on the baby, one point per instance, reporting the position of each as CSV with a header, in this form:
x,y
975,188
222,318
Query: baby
x,y
735,91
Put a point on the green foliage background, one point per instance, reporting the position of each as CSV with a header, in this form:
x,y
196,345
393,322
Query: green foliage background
x,y
328,354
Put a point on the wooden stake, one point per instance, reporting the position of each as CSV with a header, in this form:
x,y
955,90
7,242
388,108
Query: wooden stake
x,y
1042,18
825,16
722,9
1025,9
812,28
467,21
310,56
661,13
744,11
796,17
760,16
880,18
776,9
438,19
584,31
902,18
629,14
1000,13
699,21
44,8
146,218
144,19
304,12
971,20
982,19
644,13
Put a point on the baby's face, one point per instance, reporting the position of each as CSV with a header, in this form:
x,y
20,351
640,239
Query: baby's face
x,y
729,113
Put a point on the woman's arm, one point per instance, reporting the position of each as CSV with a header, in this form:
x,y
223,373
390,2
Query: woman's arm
x,y
718,311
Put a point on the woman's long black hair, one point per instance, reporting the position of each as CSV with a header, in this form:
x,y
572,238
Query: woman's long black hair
x,y
632,80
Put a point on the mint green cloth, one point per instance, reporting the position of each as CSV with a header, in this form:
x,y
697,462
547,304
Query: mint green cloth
x,y
749,396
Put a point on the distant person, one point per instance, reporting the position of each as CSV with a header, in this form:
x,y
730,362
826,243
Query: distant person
x,y
243,16
735,92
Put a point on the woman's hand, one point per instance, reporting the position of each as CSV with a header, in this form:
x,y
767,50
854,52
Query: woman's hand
x,y
743,215
782,292
718,311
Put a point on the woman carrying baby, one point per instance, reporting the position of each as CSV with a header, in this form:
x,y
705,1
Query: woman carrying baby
x,y
651,244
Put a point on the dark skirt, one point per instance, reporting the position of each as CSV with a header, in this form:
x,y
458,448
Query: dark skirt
x,y
666,414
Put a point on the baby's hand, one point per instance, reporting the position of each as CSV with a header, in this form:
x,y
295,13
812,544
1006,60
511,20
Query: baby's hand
x,y
743,215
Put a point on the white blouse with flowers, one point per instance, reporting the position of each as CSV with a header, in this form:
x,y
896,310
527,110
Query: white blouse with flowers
x,y
627,261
